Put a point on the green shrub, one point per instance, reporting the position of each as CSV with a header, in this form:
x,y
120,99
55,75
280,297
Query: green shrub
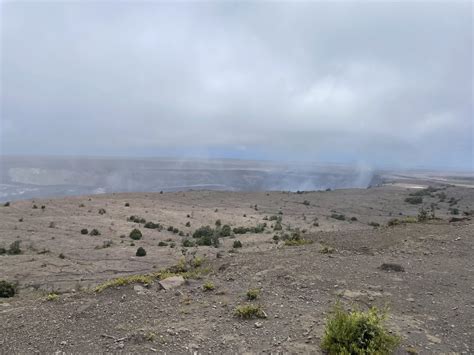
x,y
218,223
208,286
188,224
187,243
237,244
151,225
137,219
338,216
393,222
275,218
7,289
326,250
253,293
140,252
162,244
277,226
136,234
204,231
102,211
208,240
6,204
357,332
240,230
249,311
94,232
374,224
84,231
225,231
353,219
414,200
14,248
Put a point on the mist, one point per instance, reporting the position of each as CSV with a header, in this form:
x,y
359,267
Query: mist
x,y
378,85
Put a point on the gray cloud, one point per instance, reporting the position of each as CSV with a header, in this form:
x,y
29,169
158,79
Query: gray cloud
x,y
379,83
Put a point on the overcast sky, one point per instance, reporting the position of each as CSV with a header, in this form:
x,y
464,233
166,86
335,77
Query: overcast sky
x,y
383,84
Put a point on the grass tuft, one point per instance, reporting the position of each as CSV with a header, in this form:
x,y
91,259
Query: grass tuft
x,y
248,311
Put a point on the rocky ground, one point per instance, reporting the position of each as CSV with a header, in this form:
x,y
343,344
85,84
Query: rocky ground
x,y
430,300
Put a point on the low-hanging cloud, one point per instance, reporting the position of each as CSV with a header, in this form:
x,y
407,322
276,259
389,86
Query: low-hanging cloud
x,y
385,84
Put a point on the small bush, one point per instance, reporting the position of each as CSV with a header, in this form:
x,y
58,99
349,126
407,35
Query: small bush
x,y
187,243
127,204
414,200
52,297
353,219
102,211
94,232
136,234
162,244
277,226
7,289
326,250
151,225
6,204
393,222
84,231
188,224
218,223
358,332
225,231
374,224
237,244
240,230
306,203
253,294
137,219
61,256
338,216
208,286
249,311
204,231
208,240
14,248
140,252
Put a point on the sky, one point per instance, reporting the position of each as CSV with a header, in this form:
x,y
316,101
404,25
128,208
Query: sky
x,y
384,84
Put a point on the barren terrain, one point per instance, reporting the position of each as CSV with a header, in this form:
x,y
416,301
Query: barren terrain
x,y
430,303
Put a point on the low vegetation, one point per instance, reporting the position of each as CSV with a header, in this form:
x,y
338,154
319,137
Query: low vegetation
x,y
52,297
137,219
237,244
94,232
414,200
14,249
356,332
184,268
248,311
253,294
140,252
7,289
338,216
135,234
208,286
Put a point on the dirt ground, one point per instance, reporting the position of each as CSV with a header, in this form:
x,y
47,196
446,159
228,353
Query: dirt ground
x,y
430,304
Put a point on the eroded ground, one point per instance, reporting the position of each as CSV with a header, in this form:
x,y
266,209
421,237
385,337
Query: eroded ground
x,y
431,304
